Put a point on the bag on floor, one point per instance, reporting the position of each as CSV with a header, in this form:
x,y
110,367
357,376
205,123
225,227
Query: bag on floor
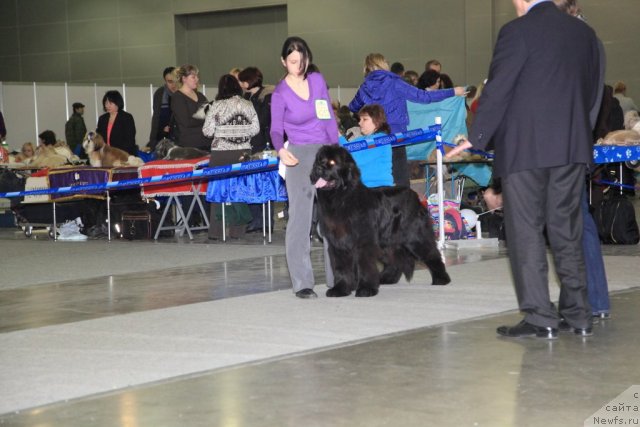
x,y
616,221
136,225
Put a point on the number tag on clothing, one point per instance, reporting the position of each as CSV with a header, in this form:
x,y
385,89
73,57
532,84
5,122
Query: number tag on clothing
x,y
322,109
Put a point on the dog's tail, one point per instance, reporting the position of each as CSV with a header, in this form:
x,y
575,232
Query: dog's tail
x,y
407,265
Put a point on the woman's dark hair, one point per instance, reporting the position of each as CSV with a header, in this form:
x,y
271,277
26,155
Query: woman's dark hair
x,y
114,97
397,68
428,79
48,137
252,76
379,118
228,87
296,44
445,81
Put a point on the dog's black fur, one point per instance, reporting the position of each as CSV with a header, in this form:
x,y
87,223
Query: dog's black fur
x,y
166,149
367,226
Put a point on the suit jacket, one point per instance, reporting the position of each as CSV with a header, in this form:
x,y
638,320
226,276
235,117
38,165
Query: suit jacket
x,y
543,84
123,133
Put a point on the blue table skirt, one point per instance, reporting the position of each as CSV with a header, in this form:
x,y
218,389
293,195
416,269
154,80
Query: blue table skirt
x,y
257,187
615,153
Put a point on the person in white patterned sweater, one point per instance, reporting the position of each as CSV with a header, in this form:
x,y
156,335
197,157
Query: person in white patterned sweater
x,y
231,121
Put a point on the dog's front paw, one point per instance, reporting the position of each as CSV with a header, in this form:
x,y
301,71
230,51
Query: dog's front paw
x,y
441,280
366,292
337,292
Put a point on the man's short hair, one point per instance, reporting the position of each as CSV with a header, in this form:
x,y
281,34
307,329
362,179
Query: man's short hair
x,y
431,62
167,70
397,68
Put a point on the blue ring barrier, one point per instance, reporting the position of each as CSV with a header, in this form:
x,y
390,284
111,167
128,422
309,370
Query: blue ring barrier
x,y
210,173
396,140
617,184
471,150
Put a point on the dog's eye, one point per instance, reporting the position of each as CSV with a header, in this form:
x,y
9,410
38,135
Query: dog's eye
x,y
332,162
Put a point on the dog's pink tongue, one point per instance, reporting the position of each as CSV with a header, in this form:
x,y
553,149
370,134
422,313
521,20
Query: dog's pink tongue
x,y
321,183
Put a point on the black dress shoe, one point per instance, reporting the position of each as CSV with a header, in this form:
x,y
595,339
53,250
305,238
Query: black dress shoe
x,y
253,229
524,329
306,293
583,332
563,326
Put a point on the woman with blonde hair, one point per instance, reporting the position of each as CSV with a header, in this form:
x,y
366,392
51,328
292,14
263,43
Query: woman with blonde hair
x,y
383,87
26,153
620,92
184,104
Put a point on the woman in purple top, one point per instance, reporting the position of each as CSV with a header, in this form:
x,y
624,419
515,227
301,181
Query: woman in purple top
x,y
301,109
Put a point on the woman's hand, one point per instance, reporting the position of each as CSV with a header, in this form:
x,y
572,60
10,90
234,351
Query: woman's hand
x,y
287,158
460,91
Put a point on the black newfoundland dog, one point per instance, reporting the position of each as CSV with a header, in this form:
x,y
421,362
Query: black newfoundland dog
x,y
366,227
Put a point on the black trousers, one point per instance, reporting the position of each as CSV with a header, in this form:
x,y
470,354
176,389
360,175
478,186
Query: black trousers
x,y
534,199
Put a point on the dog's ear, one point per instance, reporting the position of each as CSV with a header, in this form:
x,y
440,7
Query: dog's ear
x,y
346,172
354,172
350,171
98,141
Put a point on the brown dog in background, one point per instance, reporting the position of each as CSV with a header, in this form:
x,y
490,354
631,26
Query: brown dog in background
x,y
102,155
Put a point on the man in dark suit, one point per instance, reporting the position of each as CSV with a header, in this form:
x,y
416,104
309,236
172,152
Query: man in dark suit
x,y
543,83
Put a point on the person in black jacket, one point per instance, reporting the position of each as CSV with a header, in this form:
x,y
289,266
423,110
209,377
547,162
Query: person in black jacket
x,y
541,128
251,81
161,118
3,129
116,126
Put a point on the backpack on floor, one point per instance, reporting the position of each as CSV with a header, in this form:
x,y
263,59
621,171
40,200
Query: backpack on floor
x,y
616,220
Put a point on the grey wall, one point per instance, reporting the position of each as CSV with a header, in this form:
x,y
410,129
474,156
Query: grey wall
x,y
90,41
220,41
110,42
131,41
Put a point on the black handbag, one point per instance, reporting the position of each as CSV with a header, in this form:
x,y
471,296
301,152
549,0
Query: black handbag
x,y
136,225
616,220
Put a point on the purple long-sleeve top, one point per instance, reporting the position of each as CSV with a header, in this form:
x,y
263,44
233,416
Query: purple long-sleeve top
x,y
297,118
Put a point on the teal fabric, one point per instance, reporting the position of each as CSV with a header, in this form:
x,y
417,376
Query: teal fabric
x,y
453,113
374,163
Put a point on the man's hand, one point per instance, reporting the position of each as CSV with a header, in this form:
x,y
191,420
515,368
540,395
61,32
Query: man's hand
x,y
464,145
287,157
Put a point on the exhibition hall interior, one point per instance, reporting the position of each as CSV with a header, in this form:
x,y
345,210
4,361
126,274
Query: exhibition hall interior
x,y
162,263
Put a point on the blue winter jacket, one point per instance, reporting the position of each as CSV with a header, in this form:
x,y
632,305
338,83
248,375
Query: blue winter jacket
x,y
389,90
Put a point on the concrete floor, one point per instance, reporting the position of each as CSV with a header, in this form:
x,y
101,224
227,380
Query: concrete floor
x,y
416,378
